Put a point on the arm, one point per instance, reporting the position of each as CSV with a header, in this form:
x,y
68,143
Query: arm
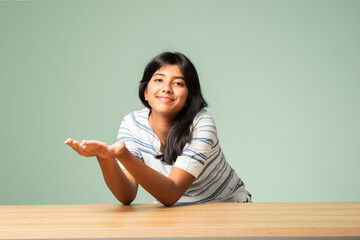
x,y
165,189
123,184
120,182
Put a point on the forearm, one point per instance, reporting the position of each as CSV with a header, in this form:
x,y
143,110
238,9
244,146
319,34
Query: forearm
x,y
159,186
119,184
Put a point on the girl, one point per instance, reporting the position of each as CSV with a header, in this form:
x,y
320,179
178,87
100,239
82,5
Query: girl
x,y
171,147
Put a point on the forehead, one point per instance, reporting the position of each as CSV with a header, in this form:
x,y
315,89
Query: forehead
x,y
169,70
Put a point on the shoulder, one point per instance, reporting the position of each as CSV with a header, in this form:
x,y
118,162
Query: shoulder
x,y
204,126
139,116
136,124
203,118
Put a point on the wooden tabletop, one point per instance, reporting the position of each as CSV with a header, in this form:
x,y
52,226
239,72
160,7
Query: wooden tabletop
x,y
197,220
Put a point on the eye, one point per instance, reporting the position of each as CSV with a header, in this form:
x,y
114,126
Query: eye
x,y
158,80
179,84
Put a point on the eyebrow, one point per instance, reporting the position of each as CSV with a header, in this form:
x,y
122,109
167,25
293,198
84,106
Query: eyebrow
x,y
174,77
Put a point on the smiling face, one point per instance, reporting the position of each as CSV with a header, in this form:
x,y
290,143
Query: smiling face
x,y
166,91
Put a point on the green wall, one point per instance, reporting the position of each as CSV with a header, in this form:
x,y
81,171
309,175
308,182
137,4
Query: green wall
x,y
282,79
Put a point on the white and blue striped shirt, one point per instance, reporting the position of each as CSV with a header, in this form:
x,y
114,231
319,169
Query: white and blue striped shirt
x,y
215,180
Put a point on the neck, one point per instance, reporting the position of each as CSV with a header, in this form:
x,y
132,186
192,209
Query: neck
x,y
160,125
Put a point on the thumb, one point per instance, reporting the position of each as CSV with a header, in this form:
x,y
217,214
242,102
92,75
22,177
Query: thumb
x,y
117,148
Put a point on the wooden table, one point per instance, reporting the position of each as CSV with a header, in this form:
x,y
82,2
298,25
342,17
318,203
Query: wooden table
x,y
199,220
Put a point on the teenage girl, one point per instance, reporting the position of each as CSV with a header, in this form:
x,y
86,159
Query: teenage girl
x,y
171,147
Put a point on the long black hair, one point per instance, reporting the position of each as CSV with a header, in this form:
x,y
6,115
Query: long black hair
x,y
179,133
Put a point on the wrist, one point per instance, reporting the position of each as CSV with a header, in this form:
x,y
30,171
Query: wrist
x,y
120,153
102,158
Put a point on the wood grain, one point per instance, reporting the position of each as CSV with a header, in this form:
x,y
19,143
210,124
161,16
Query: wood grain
x,y
197,220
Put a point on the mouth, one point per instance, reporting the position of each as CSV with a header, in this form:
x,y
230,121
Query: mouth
x,y
165,99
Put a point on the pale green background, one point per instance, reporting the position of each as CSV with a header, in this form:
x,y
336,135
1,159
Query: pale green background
x,y
282,79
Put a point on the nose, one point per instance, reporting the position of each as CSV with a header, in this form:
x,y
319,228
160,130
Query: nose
x,y
167,87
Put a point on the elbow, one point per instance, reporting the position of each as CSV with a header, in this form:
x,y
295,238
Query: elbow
x,y
125,201
168,204
170,199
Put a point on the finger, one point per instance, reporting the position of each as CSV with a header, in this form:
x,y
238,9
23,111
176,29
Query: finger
x,y
69,141
93,147
81,151
75,145
88,149
82,143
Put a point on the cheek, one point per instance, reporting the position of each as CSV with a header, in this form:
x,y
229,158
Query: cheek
x,y
184,95
151,89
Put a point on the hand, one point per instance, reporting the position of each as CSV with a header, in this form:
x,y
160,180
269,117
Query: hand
x,y
89,148
92,148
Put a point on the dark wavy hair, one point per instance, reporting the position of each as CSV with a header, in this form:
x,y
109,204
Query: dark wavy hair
x,y
179,133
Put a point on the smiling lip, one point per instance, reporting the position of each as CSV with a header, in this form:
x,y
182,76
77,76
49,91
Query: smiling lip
x,y
165,99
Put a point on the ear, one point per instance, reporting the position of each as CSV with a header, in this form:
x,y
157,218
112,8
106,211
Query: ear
x,y
146,94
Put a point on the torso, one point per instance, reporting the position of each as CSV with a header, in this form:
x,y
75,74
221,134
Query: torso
x,y
215,180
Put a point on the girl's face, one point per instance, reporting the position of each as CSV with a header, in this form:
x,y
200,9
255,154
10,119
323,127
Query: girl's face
x,y
166,91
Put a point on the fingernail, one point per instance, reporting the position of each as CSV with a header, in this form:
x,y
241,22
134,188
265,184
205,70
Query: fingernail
x,y
111,149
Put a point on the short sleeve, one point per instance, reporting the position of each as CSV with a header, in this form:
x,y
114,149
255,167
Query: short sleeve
x,y
126,134
204,138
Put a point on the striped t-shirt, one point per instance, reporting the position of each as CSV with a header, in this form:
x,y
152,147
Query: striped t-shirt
x,y
203,158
